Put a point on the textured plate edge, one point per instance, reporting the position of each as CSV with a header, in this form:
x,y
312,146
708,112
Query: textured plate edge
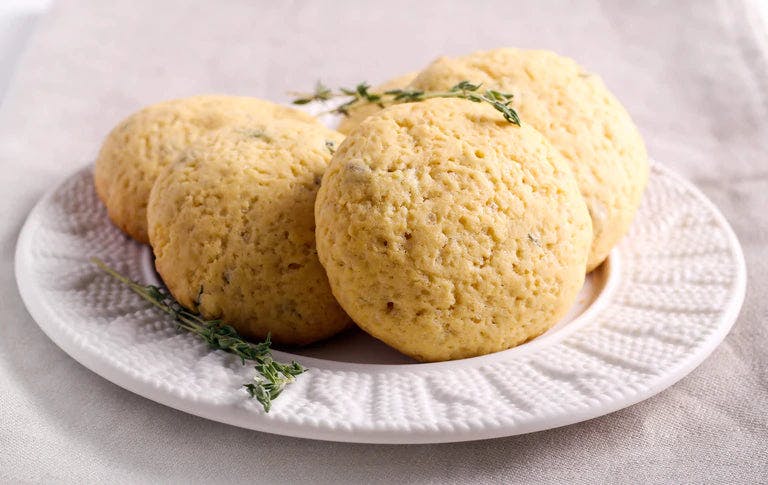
x,y
42,314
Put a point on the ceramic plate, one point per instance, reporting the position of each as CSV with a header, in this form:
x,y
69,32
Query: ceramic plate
x,y
667,295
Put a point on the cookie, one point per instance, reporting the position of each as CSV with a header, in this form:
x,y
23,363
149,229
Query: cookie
x,y
135,152
575,111
360,113
232,228
447,232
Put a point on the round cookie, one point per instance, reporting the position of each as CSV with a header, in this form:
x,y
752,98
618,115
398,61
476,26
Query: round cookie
x,y
232,228
137,149
575,111
356,115
447,232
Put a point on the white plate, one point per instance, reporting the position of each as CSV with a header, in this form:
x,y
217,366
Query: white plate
x,y
667,296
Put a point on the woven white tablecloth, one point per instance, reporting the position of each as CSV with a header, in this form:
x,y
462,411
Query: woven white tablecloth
x,y
693,74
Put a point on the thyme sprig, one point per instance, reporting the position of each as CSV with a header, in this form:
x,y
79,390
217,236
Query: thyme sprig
x,y
271,377
362,95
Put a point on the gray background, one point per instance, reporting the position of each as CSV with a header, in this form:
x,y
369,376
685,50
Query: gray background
x,y
694,75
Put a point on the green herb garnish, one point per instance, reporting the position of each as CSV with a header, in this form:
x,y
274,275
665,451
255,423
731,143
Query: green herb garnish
x,y
271,378
362,95
322,93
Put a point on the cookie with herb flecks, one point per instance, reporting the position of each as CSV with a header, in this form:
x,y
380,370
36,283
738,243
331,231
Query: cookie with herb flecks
x,y
232,228
137,149
448,232
575,111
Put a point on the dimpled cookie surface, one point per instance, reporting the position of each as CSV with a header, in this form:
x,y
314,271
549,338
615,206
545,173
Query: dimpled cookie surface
x,y
575,111
358,114
137,149
232,228
447,232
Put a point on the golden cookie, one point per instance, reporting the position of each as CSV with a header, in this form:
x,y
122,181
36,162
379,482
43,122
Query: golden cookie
x,y
362,112
232,228
447,232
578,115
135,152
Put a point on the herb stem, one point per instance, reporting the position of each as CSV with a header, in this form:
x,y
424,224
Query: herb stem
x,y
362,95
271,378
137,288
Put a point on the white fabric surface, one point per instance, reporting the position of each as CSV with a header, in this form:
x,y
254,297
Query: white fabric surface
x,y
693,74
